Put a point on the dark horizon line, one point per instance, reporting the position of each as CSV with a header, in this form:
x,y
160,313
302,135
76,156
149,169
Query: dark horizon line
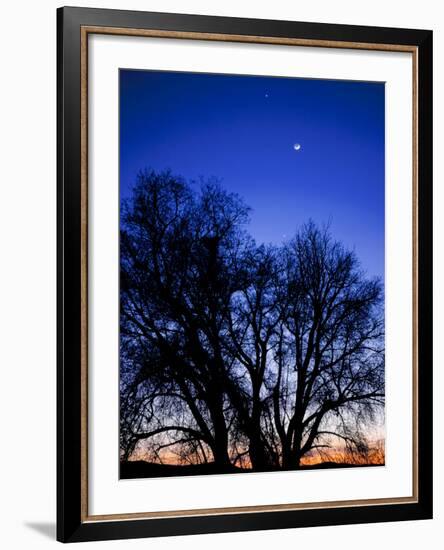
x,y
138,469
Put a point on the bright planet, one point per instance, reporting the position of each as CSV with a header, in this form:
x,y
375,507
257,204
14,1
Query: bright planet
x,y
297,146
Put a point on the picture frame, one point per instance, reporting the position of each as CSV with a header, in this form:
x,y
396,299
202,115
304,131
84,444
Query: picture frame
x,y
75,27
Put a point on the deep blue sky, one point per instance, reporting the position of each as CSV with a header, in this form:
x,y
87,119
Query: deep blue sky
x,y
242,129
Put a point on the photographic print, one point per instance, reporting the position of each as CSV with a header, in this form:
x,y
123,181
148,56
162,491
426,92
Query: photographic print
x,y
251,274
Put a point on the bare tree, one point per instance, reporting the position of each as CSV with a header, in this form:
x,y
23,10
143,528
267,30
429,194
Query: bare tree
x,y
330,358
235,353
180,265
253,320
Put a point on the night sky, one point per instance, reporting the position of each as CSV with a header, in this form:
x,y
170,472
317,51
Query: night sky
x,y
242,129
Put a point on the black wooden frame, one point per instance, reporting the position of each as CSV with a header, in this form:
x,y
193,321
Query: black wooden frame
x,y
70,527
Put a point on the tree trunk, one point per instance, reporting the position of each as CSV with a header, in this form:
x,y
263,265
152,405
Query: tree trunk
x,y
220,446
259,457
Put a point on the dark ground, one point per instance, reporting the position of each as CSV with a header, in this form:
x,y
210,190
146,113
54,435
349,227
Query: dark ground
x,y
140,469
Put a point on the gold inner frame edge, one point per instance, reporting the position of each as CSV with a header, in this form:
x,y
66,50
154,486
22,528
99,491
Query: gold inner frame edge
x,y
84,33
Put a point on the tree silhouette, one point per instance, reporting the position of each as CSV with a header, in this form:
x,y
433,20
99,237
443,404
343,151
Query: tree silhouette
x,y
332,340
238,354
